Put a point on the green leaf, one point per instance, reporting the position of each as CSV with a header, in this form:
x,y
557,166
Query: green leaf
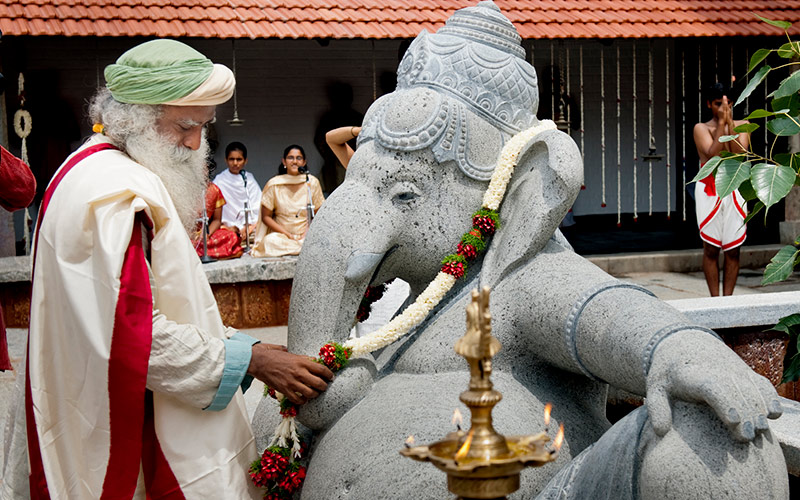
x,y
788,159
789,104
759,113
728,154
791,370
788,86
707,169
756,58
728,138
787,323
789,50
756,208
781,265
784,25
747,191
746,128
784,126
772,182
753,83
730,174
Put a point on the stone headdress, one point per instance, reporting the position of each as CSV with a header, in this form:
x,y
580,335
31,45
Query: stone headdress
x,y
462,92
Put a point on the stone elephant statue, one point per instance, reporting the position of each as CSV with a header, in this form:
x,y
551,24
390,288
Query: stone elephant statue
x,y
567,329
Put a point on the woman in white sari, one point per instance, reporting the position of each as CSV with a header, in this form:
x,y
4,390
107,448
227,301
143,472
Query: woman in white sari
x,y
285,203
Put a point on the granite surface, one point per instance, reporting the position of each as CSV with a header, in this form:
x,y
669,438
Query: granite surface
x,y
739,310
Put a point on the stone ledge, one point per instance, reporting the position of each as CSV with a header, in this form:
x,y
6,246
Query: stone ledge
x,y
736,311
245,269
677,261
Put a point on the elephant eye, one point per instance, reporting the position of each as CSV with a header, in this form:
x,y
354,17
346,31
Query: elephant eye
x,y
404,193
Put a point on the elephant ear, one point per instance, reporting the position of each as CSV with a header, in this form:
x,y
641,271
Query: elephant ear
x,y
544,185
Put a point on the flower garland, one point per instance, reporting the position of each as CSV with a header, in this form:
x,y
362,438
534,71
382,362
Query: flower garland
x,y
270,471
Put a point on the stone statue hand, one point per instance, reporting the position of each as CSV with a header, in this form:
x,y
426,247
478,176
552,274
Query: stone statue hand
x,y
347,388
696,367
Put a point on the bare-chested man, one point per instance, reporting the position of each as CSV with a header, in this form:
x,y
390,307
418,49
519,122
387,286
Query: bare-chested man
x,y
721,221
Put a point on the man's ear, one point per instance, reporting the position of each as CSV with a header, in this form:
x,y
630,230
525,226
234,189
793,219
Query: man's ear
x,y
542,189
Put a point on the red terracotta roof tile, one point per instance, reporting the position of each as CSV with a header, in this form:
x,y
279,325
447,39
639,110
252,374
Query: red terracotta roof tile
x,y
389,18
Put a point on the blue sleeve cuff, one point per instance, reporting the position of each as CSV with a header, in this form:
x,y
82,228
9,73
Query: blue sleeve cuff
x,y
237,359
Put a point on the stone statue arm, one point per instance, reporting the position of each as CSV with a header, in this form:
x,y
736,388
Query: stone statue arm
x,y
617,333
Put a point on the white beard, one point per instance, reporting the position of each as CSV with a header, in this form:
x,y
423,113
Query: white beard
x,y
183,171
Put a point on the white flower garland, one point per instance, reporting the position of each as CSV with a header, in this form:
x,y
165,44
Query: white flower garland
x,y
443,283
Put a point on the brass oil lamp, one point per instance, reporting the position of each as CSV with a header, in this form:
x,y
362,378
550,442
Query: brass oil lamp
x,y
482,464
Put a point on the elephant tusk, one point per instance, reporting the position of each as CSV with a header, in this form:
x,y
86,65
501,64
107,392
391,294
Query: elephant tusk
x,y
361,264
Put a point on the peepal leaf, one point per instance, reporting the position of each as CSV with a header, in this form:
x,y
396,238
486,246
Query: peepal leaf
x,y
789,86
771,182
789,104
786,323
730,174
747,128
784,25
747,191
753,83
707,169
759,113
759,206
784,126
781,265
789,50
756,58
728,138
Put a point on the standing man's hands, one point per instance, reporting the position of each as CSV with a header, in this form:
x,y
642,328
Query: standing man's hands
x,y
299,378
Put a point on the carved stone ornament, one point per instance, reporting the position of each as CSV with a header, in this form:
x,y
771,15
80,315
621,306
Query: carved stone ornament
x,y
469,81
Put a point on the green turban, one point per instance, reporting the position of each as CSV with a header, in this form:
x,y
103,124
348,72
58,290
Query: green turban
x,y
168,72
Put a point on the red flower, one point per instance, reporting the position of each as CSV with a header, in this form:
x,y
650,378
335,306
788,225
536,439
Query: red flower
x,y
289,411
454,268
363,312
467,250
270,468
485,224
293,480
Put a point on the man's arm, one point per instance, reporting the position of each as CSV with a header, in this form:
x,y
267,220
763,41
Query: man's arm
x,y
205,372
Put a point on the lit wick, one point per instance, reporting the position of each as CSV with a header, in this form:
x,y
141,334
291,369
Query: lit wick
x,y
457,419
464,450
409,442
547,409
559,440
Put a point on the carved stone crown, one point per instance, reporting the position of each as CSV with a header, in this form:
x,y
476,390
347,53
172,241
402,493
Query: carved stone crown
x,y
477,58
460,92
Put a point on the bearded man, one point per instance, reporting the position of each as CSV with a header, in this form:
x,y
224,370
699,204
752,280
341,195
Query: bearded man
x,y
132,382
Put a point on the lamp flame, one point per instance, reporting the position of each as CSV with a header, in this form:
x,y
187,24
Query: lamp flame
x,y
457,419
559,440
547,409
409,441
462,452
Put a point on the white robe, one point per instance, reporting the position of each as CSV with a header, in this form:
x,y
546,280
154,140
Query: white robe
x,y
84,298
232,187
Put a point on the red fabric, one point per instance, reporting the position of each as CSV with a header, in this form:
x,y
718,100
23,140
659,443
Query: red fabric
x,y
127,370
223,243
159,481
17,183
711,186
38,481
5,361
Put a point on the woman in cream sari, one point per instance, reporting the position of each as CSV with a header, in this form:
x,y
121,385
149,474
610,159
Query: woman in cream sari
x,y
284,207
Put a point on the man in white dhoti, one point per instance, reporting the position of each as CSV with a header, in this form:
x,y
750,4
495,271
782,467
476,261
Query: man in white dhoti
x,y
132,383
720,220
240,189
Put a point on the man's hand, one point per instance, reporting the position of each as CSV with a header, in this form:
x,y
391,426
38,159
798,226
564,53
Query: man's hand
x,y
696,367
299,378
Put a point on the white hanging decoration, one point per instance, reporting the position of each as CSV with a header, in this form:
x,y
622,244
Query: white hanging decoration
x,y
23,124
619,148
583,134
699,95
602,128
635,138
651,139
683,136
669,177
552,84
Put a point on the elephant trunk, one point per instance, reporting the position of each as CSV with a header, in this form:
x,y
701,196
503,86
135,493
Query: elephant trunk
x,y
339,258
